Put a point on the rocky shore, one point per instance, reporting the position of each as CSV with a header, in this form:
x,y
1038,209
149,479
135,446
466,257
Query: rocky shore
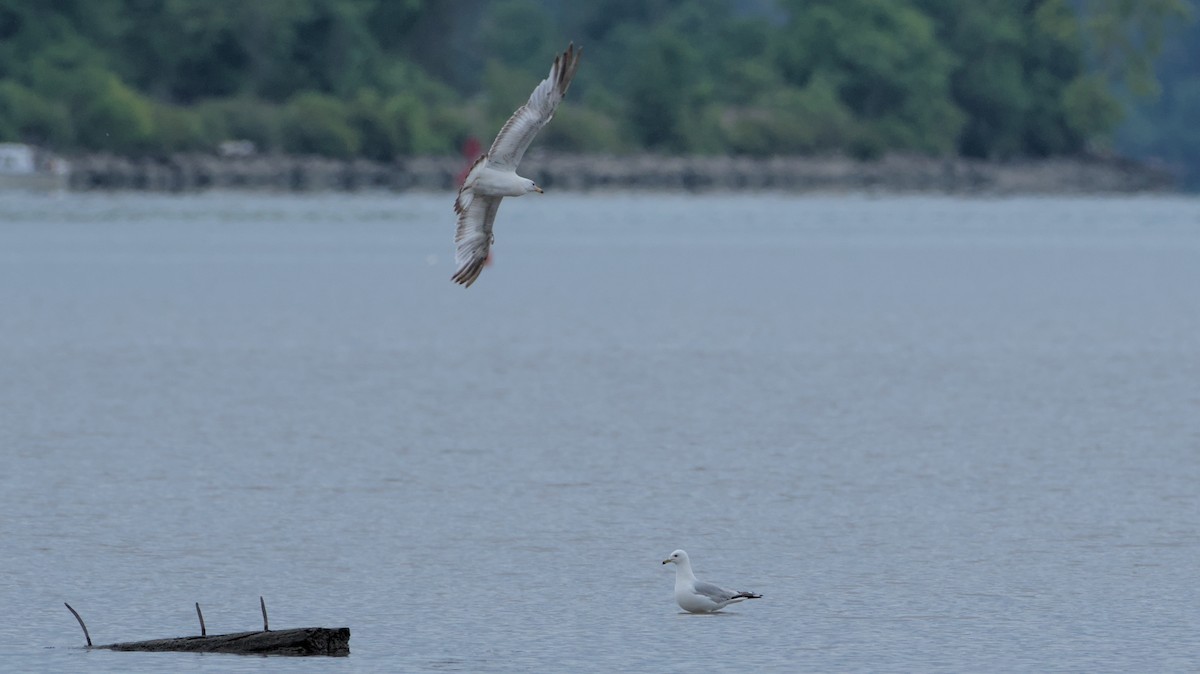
x,y
895,173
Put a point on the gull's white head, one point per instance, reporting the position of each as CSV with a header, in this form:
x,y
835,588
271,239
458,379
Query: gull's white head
x,y
677,557
532,187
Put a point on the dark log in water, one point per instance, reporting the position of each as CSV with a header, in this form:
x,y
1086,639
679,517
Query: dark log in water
x,y
302,641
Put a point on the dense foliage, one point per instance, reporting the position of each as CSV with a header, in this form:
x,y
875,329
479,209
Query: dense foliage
x,y
1167,127
383,78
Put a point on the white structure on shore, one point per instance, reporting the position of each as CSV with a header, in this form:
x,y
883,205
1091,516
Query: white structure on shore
x,y
17,158
27,167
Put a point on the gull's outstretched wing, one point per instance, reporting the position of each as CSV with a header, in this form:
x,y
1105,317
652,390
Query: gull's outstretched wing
x,y
473,238
519,130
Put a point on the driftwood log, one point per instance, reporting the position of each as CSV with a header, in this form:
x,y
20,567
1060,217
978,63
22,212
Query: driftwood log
x,y
303,641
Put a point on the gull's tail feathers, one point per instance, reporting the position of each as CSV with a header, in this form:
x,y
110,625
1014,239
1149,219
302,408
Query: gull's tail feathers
x,y
466,191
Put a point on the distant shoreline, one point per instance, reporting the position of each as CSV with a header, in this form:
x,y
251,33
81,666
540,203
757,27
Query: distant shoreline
x,y
892,173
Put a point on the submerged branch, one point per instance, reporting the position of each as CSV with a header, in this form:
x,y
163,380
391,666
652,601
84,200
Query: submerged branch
x,y
85,632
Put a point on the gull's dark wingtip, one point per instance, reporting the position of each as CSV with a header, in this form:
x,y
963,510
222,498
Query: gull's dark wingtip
x,y
566,64
467,274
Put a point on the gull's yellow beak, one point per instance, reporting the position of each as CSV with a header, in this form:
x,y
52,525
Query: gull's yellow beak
x,y
666,561
538,189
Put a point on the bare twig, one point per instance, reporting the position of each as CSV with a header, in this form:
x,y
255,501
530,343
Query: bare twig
x,y
263,604
200,615
85,632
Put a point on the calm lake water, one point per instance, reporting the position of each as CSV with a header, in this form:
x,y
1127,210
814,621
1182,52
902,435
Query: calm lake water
x,y
936,434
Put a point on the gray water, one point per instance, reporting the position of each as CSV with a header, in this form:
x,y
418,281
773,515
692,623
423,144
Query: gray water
x,y
936,434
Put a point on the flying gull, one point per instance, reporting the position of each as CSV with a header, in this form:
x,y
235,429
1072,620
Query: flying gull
x,y
697,596
494,175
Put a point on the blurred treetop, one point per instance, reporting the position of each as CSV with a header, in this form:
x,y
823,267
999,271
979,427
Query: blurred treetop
x,y
1166,126
387,78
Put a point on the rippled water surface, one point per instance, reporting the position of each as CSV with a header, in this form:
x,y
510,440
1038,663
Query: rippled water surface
x,y
935,434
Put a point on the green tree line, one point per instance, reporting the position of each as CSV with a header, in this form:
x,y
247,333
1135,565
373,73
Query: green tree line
x,y
388,78
1166,127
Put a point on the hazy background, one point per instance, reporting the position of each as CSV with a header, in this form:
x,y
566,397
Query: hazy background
x,y
382,79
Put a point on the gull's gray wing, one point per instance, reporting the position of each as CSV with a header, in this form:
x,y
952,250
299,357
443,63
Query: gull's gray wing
x,y
713,592
519,130
474,235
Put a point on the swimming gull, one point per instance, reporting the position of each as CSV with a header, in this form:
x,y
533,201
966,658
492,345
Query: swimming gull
x,y
494,175
697,596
